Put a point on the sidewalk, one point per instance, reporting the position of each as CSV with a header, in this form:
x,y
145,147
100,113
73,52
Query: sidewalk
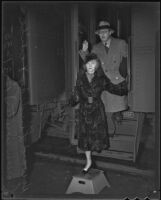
x,y
51,178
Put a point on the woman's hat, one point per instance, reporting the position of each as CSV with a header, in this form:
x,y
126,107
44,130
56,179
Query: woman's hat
x,y
104,25
90,56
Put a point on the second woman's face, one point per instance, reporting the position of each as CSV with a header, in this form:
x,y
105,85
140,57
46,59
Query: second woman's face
x,y
91,66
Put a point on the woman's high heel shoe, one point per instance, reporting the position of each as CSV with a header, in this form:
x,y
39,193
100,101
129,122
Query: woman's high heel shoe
x,y
85,171
93,165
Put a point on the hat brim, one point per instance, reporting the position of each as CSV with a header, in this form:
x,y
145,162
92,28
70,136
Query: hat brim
x,y
98,31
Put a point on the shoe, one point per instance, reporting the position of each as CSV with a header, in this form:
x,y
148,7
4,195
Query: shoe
x,y
85,171
93,165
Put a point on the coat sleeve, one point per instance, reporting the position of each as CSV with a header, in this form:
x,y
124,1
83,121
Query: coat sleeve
x,y
119,89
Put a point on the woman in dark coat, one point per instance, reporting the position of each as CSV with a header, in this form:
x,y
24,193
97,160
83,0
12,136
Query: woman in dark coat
x,y
93,128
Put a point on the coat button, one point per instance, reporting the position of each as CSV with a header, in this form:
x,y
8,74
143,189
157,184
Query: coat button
x,y
102,63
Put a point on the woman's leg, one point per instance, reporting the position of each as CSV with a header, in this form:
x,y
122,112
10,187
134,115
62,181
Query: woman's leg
x,y
88,160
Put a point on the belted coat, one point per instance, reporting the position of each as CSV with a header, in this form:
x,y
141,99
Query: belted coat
x,y
92,123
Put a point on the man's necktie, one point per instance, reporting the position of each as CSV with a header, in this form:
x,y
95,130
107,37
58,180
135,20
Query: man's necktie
x,y
106,48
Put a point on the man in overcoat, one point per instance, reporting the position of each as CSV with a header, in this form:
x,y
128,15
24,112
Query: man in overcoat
x,y
113,53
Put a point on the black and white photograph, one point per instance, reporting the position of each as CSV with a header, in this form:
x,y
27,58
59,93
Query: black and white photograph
x,y
80,100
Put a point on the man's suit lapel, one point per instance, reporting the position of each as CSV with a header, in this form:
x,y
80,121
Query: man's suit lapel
x,y
110,48
110,51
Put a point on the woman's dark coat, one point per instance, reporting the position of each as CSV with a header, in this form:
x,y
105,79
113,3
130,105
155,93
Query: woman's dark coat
x,y
92,126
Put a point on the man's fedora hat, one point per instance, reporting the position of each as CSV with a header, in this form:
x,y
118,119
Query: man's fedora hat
x,y
103,25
